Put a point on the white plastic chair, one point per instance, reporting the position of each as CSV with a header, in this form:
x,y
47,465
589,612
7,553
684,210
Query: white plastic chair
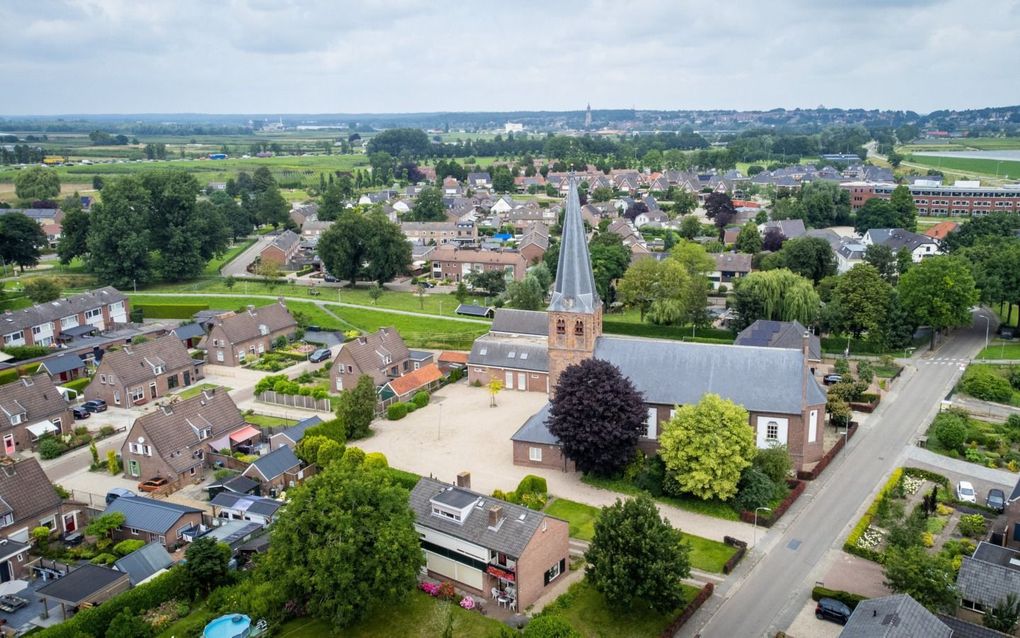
x,y
495,593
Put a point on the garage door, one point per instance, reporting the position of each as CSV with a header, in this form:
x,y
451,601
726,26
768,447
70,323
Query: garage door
x,y
452,569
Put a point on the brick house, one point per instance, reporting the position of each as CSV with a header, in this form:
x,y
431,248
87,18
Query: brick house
x,y
138,373
28,500
728,268
13,560
283,249
440,233
235,337
515,351
534,243
155,521
31,407
455,264
174,441
381,355
277,471
485,545
43,324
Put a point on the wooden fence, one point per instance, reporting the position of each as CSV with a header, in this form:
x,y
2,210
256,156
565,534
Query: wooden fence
x,y
295,401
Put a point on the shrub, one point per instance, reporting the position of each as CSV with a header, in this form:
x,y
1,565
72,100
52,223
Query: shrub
x,y
852,544
773,462
865,372
755,490
1014,377
950,428
375,460
397,411
170,311
51,448
532,484
985,384
845,597
651,475
124,548
107,430
21,353
972,525
104,559
550,626
842,366
421,399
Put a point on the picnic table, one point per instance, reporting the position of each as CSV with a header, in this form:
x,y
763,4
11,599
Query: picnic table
x,y
11,604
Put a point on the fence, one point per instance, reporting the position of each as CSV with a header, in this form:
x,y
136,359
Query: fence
x,y
295,401
734,560
689,610
813,473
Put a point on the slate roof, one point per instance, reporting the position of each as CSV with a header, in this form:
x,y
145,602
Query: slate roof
x,y
574,290
59,308
511,537
286,241
247,503
236,484
35,397
149,514
419,355
964,629
897,238
173,429
521,322
472,310
144,562
188,331
791,228
25,490
524,353
988,577
732,262
81,583
134,364
535,430
244,326
274,464
760,379
297,431
779,334
63,362
368,350
898,616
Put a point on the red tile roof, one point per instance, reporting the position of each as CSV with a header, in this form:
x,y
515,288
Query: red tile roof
x,y
417,379
448,356
941,230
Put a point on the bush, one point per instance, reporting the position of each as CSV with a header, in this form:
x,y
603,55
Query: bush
x,y
950,428
532,484
842,366
421,399
983,383
375,460
755,490
773,462
51,448
1014,377
651,475
865,372
972,525
550,626
397,411
104,559
124,548
845,597
20,353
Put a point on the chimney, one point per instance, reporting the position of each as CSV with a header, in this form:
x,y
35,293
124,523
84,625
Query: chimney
x,y
495,515
464,480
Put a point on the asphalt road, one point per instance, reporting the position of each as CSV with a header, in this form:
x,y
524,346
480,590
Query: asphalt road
x,y
237,266
766,596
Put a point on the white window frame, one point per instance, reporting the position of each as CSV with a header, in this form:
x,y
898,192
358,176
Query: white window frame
x,y
535,454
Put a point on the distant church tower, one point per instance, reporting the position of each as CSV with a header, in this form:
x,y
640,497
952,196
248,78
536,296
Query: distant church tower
x,y
575,311
587,117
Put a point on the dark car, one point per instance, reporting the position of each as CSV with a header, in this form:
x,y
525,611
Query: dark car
x,y
95,405
80,412
118,492
427,284
830,379
996,500
1006,332
330,278
832,609
322,354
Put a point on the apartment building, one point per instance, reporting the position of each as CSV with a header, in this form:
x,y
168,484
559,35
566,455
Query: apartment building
x,y
962,198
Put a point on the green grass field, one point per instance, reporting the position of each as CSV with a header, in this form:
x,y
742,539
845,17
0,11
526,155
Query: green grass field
x,y
989,167
214,265
586,610
266,421
999,349
194,390
964,144
715,508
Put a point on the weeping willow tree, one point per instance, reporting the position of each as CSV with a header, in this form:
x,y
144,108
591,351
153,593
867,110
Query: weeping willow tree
x,y
779,295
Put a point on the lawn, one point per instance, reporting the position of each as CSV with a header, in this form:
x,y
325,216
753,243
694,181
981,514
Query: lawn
x,y
1000,349
715,508
586,610
419,615
992,167
266,421
708,555
194,390
978,383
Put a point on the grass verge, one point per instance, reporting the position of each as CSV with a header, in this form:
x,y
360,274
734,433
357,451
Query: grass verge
x,y
266,421
586,610
714,508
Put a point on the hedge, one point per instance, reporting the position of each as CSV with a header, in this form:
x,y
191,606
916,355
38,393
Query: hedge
x,y
797,487
691,608
397,411
845,597
738,555
917,472
20,353
401,477
78,385
12,374
851,546
170,311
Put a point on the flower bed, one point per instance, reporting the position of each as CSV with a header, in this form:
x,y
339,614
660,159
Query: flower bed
x,y
797,487
853,544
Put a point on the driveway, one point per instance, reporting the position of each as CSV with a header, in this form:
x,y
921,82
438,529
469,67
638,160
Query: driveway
x,y
458,431
237,266
807,626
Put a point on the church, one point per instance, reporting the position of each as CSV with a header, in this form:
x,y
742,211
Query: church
x,y
776,386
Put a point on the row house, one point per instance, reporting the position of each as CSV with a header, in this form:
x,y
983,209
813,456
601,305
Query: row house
x,y
440,233
455,264
283,249
31,407
29,500
515,351
138,373
238,336
51,322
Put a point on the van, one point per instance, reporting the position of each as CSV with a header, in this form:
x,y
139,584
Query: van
x,y
118,492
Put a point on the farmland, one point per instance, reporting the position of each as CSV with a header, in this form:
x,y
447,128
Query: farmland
x,y
992,167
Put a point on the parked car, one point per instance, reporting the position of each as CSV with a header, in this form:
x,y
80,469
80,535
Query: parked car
x,y
965,492
1006,332
831,379
80,413
328,278
832,609
322,354
996,500
152,485
95,405
118,492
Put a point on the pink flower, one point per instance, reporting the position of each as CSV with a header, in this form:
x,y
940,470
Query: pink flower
x,y
468,602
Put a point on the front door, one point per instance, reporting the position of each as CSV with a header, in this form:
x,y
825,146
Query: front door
x,y
8,444
5,571
187,377
522,381
152,391
509,382
70,523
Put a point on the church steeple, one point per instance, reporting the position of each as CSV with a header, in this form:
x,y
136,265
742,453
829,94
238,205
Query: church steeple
x,y
575,310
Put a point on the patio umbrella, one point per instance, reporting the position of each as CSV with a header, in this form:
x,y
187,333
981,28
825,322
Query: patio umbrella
x,y
13,587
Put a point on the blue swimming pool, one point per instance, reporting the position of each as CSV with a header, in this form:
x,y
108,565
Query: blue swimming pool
x,y
229,626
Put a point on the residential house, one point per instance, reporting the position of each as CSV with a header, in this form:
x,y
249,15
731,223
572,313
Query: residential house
x,y
84,586
283,249
849,254
515,351
45,324
31,407
378,197
145,563
941,230
987,578
292,435
440,233
312,230
190,334
486,546
236,484
651,218
896,239
302,214
138,373
425,378
235,337
898,616
449,361
28,500
456,264
534,244
525,215
729,267
53,233
420,358
381,355
451,186
503,205
790,228
277,471
64,366
631,238
174,441
780,334
479,180
155,521
244,507
14,558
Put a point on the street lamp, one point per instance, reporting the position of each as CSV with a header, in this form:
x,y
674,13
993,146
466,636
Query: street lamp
x,y
754,540
987,323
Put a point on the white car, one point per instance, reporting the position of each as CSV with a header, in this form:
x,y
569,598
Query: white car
x,y
965,492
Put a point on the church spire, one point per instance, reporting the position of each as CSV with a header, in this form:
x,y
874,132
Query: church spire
x,y
575,284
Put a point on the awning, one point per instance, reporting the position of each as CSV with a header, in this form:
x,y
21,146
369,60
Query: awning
x,y
244,434
39,429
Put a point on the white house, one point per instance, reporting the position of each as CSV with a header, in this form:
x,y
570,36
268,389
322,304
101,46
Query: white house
x,y
920,246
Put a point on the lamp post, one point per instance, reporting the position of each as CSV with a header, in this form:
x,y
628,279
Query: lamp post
x,y
754,538
987,323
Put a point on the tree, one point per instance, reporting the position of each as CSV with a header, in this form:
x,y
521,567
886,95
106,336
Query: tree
x,y
344,545
502,180
526,294
386,249
809,257
929,578
902,203
237,219
939,292
42,289
779,295
693,257
374,292
74,235
883,259
684,203
861,300
609,260
754,490
494,386
662,285
1004,616
356,408
102,526
787,208
825,204
493,282
128,624
342,246
950,429
118,239
356,239
719,208
774,462
749,240
773,239
597,415
207,564
36,183
706,447
176,228
21,240
690,227
270,207
428,207
550,626
637,558
876,213
602,194
461,293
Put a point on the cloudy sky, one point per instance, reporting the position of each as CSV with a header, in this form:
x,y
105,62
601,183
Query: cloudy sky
x,y
312,56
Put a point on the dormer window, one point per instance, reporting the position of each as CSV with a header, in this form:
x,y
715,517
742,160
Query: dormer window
x,y
6,519
16,419
205,434
442,512
158,369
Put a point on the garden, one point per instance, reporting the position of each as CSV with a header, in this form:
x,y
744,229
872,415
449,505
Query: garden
x,y
50,446
306,384
995,383
197,389
957,434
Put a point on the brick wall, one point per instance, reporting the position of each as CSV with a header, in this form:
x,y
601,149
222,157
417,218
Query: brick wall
x,y
552,457
536,381
548,547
